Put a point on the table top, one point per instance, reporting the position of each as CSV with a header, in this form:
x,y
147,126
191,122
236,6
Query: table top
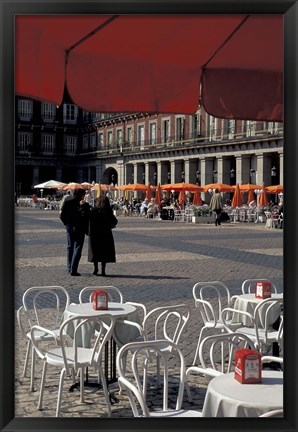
x,y
252,298
227,397
115,309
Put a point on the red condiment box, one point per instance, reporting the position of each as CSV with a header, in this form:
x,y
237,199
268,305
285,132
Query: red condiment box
x,y
248,366
100,300
263,290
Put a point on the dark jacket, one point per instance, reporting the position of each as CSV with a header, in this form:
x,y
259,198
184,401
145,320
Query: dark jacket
x,y
75,216
101,247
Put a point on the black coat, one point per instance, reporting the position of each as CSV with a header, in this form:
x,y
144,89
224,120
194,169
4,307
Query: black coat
x,y
75,215
101,247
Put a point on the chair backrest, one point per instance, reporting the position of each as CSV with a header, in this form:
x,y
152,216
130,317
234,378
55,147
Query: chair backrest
x,y
166,322
248,286
263,319
113,292
217,351
38,299
134,355
203,292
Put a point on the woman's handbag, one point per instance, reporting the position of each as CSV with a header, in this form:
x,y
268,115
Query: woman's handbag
x,y
114,222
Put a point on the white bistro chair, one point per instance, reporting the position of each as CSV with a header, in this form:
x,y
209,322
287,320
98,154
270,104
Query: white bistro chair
x,y
260,329
74,359
131,380
34,311
216,356
167,323
211,314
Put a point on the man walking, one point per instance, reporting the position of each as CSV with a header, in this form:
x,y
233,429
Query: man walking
x,y
75,216
216,205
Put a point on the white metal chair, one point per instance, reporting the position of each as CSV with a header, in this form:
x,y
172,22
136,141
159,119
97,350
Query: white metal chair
x,y
32,312
75,358
216,356
179,215
248,286
133,383
211,315
165,322
260,330
273,413
114,293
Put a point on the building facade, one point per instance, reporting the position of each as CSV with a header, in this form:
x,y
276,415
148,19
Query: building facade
x,y
68,144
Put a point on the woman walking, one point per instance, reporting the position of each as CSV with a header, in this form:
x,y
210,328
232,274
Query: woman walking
x,y
101,247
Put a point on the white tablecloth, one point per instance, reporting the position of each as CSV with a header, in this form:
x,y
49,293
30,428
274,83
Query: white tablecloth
x,y
227,397
248,303
122,333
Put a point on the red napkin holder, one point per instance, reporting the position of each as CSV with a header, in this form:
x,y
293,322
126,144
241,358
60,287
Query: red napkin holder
x,y
263,290
248,366
100,300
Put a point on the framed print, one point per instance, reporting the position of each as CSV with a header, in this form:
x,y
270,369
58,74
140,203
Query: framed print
x,y
40,96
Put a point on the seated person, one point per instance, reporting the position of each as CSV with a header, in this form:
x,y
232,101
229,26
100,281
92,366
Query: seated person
x,y
151,209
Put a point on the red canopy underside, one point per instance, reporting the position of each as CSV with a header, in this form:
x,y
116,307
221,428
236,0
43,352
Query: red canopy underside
x,y
155,63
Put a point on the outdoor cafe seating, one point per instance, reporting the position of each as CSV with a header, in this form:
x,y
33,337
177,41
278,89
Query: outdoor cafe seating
x,y
149,360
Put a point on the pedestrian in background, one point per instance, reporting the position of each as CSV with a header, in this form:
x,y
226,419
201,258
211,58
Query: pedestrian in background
x,y
75,216
101,246
216,205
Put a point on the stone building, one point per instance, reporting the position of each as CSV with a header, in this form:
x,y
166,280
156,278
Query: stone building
x,y
68,144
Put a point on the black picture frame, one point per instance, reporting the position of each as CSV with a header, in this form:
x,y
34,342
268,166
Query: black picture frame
x,y
7,13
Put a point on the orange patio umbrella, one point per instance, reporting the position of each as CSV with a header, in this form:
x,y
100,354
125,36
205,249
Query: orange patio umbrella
x,y
249,187
148,192
134,187
263,198
158,195
190,187
274,189
86,185
182,197
73,186
251,196
222,187
237,198
197,198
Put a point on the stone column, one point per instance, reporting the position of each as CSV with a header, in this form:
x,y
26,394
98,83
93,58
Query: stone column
x,y
186,171
242,169
120,169
281,168
220,171
260,169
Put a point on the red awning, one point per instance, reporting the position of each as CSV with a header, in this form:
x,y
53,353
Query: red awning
x,y
154,63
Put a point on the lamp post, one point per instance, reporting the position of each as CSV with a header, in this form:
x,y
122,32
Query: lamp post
x,y
214,176
252,173
198,176
169,177
143,177
182,176
155,177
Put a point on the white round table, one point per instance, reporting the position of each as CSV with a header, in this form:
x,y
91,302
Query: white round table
x,y
248,303
227,397
122,333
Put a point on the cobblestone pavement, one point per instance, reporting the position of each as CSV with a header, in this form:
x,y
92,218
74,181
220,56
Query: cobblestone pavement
x,y
158,262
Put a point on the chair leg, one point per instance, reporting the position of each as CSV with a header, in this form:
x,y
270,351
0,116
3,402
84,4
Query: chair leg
x,y
26,358
82,376
60,392
43,380
124,359
198,346
189,396
32,369
105,390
